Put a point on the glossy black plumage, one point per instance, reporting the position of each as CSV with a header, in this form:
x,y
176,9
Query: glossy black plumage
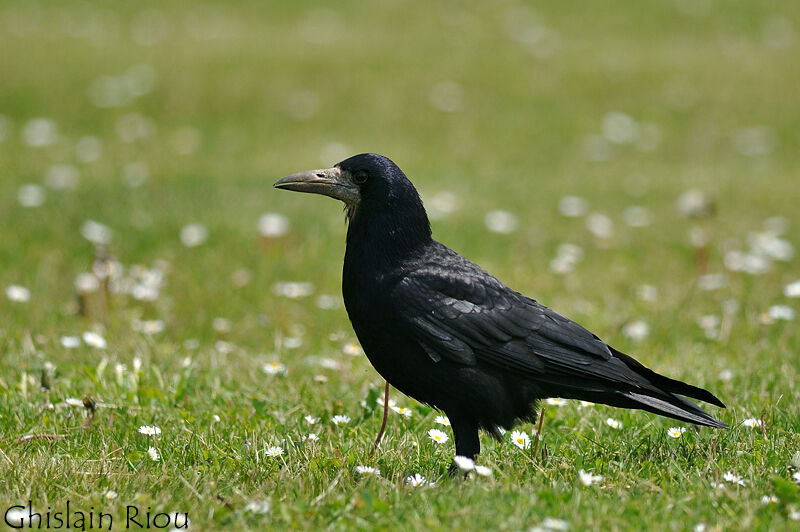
x,y
445,332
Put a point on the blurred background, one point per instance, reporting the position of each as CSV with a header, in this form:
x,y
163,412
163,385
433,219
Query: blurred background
x,y
577,150
633,165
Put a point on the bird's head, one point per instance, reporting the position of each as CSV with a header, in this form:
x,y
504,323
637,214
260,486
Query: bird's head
x,y
367,183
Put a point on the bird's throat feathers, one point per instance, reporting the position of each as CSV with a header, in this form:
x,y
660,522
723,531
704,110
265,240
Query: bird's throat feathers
x,y
387,233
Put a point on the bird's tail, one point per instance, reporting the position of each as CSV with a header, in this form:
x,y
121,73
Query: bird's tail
x,y
664,396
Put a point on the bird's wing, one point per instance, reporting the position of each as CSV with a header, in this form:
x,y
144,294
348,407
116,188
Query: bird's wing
x,y
461,313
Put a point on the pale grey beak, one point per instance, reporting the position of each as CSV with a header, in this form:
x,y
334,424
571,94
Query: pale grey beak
x,y
333,182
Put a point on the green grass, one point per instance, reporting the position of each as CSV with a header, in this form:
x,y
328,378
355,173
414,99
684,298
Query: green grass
x,y
270,90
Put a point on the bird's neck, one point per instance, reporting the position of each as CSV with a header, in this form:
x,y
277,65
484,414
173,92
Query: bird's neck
x,y
384,240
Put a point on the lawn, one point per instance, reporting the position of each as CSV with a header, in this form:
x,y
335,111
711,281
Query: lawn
x,y
150,271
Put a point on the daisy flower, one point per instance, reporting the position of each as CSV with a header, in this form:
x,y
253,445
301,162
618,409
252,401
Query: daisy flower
x,y
796,477
340,420
551,523
442,420
94,340
751,422
153,453
769,499
676,432
274,368
792,289
405,412
483,470
521,439
587,479
351,349
613,423
438,436
311,420
416,480
274,451
379,401
71,401
464,463
273,225
311,437
193,235
367,470
733,479
555,401
18,294
149,430
70,342
111,494
257,507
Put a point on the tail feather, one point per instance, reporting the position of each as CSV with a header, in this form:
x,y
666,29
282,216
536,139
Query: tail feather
x,y
649,391
685,411
666,384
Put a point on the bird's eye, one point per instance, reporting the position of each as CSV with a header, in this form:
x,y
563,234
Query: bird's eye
x,y
360,177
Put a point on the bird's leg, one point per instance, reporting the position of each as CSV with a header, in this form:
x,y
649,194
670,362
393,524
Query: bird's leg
x,y
468,443
383,421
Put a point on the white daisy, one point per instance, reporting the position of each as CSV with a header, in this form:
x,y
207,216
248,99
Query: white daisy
x,y
149,430
769,499
311,437
587,479
751,422
293,290
274,368
71,401
405,412
94,340
555,401
438,436
351,349
600,225
636,330
111,494
551,523
31,195
257,507
96,233
613,423
379,401
442,420
498,221
781,312
483,470
274,451
311,420
153,453
70,342
18,294
464,463
796,477
733,479
792,289
367,470
193,235
676,432
272,225
416,480
521,439
340,420
572,206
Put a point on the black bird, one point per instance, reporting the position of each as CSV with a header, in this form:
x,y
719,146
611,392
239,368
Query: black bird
x,y
445,332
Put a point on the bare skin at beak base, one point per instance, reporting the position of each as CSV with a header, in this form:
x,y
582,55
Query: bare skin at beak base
x,y
332,182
